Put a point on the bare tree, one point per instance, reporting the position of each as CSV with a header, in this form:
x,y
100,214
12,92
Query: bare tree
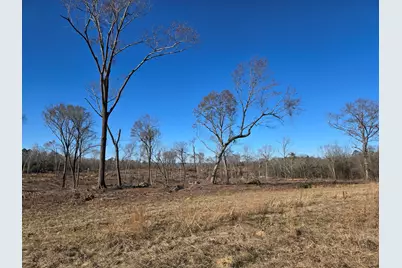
x,y
181,153
101,24
116,148
86,144
359,120
82,134
248,158
128,154
285,143
146,131
194,155
165,161
52,147
58,120
332,153
200,161
266,152
218,112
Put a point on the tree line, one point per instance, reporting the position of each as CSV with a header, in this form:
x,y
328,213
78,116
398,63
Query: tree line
x,y
181,163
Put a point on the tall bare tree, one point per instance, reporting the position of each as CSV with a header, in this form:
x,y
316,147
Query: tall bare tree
x,y
359,120
230,117
57,118
101,24
146,131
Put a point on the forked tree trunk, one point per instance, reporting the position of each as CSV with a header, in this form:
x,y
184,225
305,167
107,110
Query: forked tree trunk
x,y
116,147
219,159
118,166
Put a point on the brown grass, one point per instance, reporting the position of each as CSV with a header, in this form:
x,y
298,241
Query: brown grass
x,y
319,227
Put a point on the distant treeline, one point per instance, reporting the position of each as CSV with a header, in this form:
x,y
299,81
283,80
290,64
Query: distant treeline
x,y
336,163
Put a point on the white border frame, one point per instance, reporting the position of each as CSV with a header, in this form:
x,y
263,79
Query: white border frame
x,y
11,133
390,60
390,134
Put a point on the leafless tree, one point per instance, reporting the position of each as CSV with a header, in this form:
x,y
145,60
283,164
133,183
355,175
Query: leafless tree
x,y
58,120
332,153
165,161
247,157
129,152
194,155
266,151
181,153
83,136
216,113
359,120
101,24
285,143
26,160
200,161
146,131
255,95
116,148
52,147
86,144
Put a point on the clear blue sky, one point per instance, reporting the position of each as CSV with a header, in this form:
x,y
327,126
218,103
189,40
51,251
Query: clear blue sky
x,y
327,50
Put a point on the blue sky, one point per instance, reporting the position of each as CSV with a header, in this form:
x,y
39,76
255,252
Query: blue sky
x,y
327,50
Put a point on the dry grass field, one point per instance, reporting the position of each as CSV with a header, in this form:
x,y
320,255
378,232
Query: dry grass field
x,y
202,226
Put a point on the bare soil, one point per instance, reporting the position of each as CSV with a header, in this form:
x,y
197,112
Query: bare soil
x,y
280,223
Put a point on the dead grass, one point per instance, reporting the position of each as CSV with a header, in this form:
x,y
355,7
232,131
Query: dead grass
x,y
318,227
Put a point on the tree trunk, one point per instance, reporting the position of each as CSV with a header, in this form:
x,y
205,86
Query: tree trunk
x,y
149,170
365,160
215,170
366,166
118,166
78,170
73,169
225,164
332,166
195,163
101,179
64,172
266,170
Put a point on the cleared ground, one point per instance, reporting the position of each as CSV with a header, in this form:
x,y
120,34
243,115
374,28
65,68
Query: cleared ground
x,y
202,226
